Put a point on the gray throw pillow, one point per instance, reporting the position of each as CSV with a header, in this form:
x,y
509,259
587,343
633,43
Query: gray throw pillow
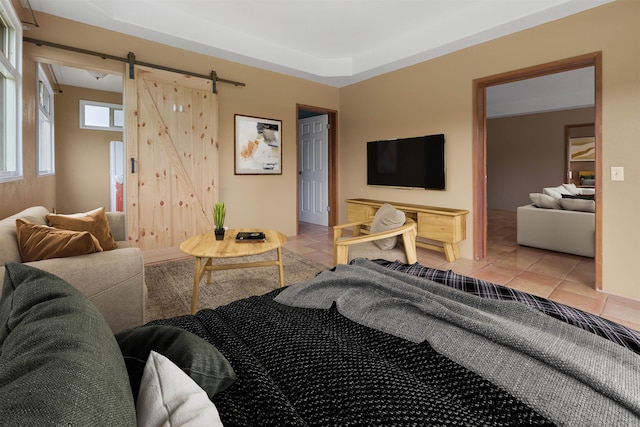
x,y
387,218
578,205
195,356
60,364
544,201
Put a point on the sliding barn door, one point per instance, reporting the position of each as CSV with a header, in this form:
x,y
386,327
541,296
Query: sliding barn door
x,y
172,152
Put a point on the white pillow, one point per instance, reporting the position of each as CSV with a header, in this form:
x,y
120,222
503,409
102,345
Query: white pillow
x,y
578,205
169,397
544,201
571,188
556,192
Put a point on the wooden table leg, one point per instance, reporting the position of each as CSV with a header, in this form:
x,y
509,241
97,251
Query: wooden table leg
x,y
207,264
451,251
197,277
280,269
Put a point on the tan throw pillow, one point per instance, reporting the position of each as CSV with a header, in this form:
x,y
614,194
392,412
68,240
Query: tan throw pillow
x,y
387,218
95,222
38,242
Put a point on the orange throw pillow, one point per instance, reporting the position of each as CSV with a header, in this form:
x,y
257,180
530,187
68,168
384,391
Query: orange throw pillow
x,y
38,242
95,222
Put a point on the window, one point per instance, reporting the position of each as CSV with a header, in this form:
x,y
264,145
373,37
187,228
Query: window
x,y
10,93
46,158
101,116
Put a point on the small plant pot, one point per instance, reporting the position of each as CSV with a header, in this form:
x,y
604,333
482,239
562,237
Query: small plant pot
x,y
219,234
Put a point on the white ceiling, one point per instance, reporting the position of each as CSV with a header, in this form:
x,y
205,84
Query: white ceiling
x,y
81,78
335,42
554,92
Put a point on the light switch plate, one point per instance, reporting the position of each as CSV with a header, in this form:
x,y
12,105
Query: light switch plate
x,y
617,173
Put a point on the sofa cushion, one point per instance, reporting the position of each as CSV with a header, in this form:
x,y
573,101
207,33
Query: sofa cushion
x,y
38,242
544,201
195,356
555,192
9,249
582,205
168,397
387,218
572,188
95,222
59,361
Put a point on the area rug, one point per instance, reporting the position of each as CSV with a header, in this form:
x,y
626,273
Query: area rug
x,y
170,284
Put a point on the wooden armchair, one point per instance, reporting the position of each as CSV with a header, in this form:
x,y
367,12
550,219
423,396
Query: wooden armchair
x,y
362,245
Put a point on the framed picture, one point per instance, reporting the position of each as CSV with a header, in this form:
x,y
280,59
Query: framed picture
x,y
582,149
258,146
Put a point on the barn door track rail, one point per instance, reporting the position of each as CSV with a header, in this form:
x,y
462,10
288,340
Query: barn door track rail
x,y
131,60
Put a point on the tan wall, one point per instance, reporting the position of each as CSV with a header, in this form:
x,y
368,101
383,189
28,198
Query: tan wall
x,y
431,97
527,153
82,155
268,201
436,97
30,190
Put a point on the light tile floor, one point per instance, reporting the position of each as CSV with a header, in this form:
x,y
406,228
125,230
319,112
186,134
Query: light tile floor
x,y
568,279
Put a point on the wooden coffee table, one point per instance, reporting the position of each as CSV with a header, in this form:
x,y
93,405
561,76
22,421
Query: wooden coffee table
x,y
205,248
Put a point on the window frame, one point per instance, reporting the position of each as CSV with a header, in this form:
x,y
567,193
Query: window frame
x,y
112,109
11,95
49,115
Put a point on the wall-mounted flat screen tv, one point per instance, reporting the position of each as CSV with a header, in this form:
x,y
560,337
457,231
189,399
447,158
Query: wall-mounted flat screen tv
x,y
408,162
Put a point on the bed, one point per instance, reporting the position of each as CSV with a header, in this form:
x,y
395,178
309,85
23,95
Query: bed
x,y
383,343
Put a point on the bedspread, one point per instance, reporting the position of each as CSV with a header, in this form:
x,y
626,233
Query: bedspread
x,y
614,332
316,367
567,374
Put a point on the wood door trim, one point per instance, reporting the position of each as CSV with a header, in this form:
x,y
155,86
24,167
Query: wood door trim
x,y
130,101
333,161
479,146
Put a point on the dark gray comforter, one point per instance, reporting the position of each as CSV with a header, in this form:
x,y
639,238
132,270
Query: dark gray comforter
x,y
570,376
384,348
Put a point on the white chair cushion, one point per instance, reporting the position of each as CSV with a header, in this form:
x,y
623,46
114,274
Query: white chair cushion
x,y
370,251
387,218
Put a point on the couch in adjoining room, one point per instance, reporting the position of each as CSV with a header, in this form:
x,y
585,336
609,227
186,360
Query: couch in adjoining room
x,y
560,219
89,251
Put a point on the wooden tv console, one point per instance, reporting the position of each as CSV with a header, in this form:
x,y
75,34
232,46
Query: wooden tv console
x,y
441,225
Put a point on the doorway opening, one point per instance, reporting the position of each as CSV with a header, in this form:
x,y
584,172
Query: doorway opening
x,y
88,119
480,144
317,165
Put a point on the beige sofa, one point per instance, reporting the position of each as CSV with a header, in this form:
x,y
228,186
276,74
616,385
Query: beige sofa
x,y
556,221
113,280
558,230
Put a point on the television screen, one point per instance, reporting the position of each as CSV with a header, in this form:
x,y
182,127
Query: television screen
x,y
408,162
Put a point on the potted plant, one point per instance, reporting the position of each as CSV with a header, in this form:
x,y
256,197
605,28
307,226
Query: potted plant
x,y
219,212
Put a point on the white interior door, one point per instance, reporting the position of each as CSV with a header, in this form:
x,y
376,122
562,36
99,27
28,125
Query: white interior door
x,y
313,174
